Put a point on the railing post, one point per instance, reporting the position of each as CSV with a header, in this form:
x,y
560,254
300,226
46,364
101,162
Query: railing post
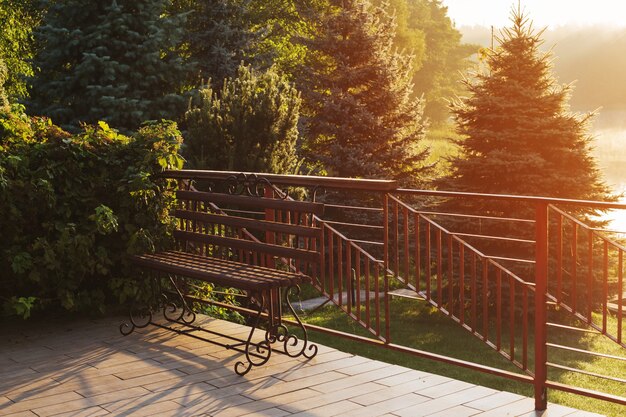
x,y
541,278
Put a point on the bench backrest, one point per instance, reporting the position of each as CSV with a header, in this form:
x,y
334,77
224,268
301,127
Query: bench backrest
x,y
255,230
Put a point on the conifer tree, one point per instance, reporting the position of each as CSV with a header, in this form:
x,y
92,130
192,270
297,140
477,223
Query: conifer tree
x,y
217,38
519,137
251,125
108,61
362,119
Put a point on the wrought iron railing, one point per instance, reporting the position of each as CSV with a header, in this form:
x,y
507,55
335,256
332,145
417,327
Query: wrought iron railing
x,y
564,274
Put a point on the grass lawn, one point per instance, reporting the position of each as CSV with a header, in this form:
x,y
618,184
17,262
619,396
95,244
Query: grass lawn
x,y
415,324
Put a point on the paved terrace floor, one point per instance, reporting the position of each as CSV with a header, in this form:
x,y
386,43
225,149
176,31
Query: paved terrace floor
x,y
86,368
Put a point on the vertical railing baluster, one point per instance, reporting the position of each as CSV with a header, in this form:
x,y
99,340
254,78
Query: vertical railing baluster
x,y
357,264
574,266
331,262
541,277
387,310
439,270
322,268
396,239
462,282
340,270
590,287
386,231
417,253
525,327
605,287
511,317
427,261
406,252
377,297
620,294
559,259
485,298
349,289
450,278
473,292
367,291
498,309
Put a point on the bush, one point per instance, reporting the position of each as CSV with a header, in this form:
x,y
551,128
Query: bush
x,y
74,206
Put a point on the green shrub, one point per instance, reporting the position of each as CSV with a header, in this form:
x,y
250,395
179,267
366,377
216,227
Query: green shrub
x,y
74,206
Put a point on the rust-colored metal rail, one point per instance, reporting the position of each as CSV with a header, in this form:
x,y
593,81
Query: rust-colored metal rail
x,y
508,302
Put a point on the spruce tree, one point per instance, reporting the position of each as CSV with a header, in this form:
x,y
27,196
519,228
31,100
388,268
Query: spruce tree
x,y
519,136
217,38
108,61
251,125
362,119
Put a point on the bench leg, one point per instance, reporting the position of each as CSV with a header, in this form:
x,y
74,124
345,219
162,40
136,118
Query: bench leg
x,y
170,309
137,319
256,353
289,340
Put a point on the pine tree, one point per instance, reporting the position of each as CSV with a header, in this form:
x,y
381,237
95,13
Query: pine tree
x,y
519,137
250,125
108,61
362,119
217,38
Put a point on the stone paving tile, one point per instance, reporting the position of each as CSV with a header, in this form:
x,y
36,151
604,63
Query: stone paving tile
x,y
213,405
37,402
445,402
390,405
458,411
19,414
494,401
329,398
132,404
517,408
334,409
93,371
270,412
391,392
96,411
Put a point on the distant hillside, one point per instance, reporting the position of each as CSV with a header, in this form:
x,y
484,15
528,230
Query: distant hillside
x,y
592,57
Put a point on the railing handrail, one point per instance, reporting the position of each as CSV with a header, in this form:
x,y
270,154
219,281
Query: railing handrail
x,y
362,184
294,180
518,198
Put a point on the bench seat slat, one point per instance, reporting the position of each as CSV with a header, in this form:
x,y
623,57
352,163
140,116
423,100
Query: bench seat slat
x,y
219,271
266,248
261,225
256,202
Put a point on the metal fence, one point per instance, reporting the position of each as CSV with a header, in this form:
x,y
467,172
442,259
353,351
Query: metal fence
x,y
512,292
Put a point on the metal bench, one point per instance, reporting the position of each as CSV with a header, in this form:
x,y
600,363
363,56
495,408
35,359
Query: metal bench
x,y
243,238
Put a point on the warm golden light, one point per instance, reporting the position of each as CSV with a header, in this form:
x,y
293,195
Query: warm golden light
x,y
544,13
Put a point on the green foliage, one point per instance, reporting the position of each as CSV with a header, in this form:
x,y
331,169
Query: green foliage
x,y
110,61
17,20
280,24
519,137
425,30
4,103
250,125
357,90
217,38
75,206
